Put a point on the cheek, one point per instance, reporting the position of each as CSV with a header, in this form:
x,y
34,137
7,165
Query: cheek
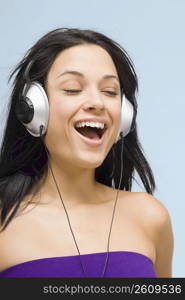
x,y
61,113
115,111
56,127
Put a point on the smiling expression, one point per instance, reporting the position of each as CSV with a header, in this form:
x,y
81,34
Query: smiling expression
x,y
85,105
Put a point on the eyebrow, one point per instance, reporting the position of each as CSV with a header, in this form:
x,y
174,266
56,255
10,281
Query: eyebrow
x,y
107,76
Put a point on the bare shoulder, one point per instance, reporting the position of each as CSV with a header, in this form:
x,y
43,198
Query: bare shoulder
x,y
156,221
145,209
161,219
12,235
148,208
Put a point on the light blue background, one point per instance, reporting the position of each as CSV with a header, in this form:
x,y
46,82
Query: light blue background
x,y
153,33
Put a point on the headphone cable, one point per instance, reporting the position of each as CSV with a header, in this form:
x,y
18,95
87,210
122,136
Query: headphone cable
x,y
113,213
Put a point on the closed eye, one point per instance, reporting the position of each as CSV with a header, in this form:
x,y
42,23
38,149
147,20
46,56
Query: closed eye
x,y
72,91
110,93
78,91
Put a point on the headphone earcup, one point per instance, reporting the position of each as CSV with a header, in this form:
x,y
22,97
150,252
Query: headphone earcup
x,y
33,110
127,117
24,110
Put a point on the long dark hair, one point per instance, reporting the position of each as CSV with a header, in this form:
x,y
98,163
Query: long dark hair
x,y
23,158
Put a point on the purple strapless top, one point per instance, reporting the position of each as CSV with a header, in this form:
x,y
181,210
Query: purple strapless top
x,y
121,264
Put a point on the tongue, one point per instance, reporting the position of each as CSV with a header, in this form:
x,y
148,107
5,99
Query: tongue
x,y
89,132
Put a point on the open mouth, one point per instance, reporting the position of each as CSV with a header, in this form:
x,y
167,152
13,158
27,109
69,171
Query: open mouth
x,y
92,133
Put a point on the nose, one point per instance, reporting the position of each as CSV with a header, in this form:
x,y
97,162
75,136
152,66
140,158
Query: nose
x,y
94,102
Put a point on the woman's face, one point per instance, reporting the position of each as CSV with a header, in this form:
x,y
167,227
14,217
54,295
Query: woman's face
x,y
82,85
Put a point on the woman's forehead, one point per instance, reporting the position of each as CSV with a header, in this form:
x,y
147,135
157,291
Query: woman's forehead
x,y
85,59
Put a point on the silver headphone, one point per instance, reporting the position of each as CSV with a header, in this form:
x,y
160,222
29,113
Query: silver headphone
x,y
33,111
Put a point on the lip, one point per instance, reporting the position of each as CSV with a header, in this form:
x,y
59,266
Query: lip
x,y
91,142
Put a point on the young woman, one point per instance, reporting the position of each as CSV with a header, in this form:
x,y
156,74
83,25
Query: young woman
x,y
68,158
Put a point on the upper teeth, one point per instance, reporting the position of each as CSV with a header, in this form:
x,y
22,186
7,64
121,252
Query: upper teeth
x,y
91,124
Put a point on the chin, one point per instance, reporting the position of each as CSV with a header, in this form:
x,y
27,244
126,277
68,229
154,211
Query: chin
x,y
90,162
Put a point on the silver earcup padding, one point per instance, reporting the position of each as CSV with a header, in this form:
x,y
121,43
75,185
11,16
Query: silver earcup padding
x,y
39,100
127,114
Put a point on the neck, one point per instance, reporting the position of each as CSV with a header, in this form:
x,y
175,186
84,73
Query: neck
x,y
76,185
